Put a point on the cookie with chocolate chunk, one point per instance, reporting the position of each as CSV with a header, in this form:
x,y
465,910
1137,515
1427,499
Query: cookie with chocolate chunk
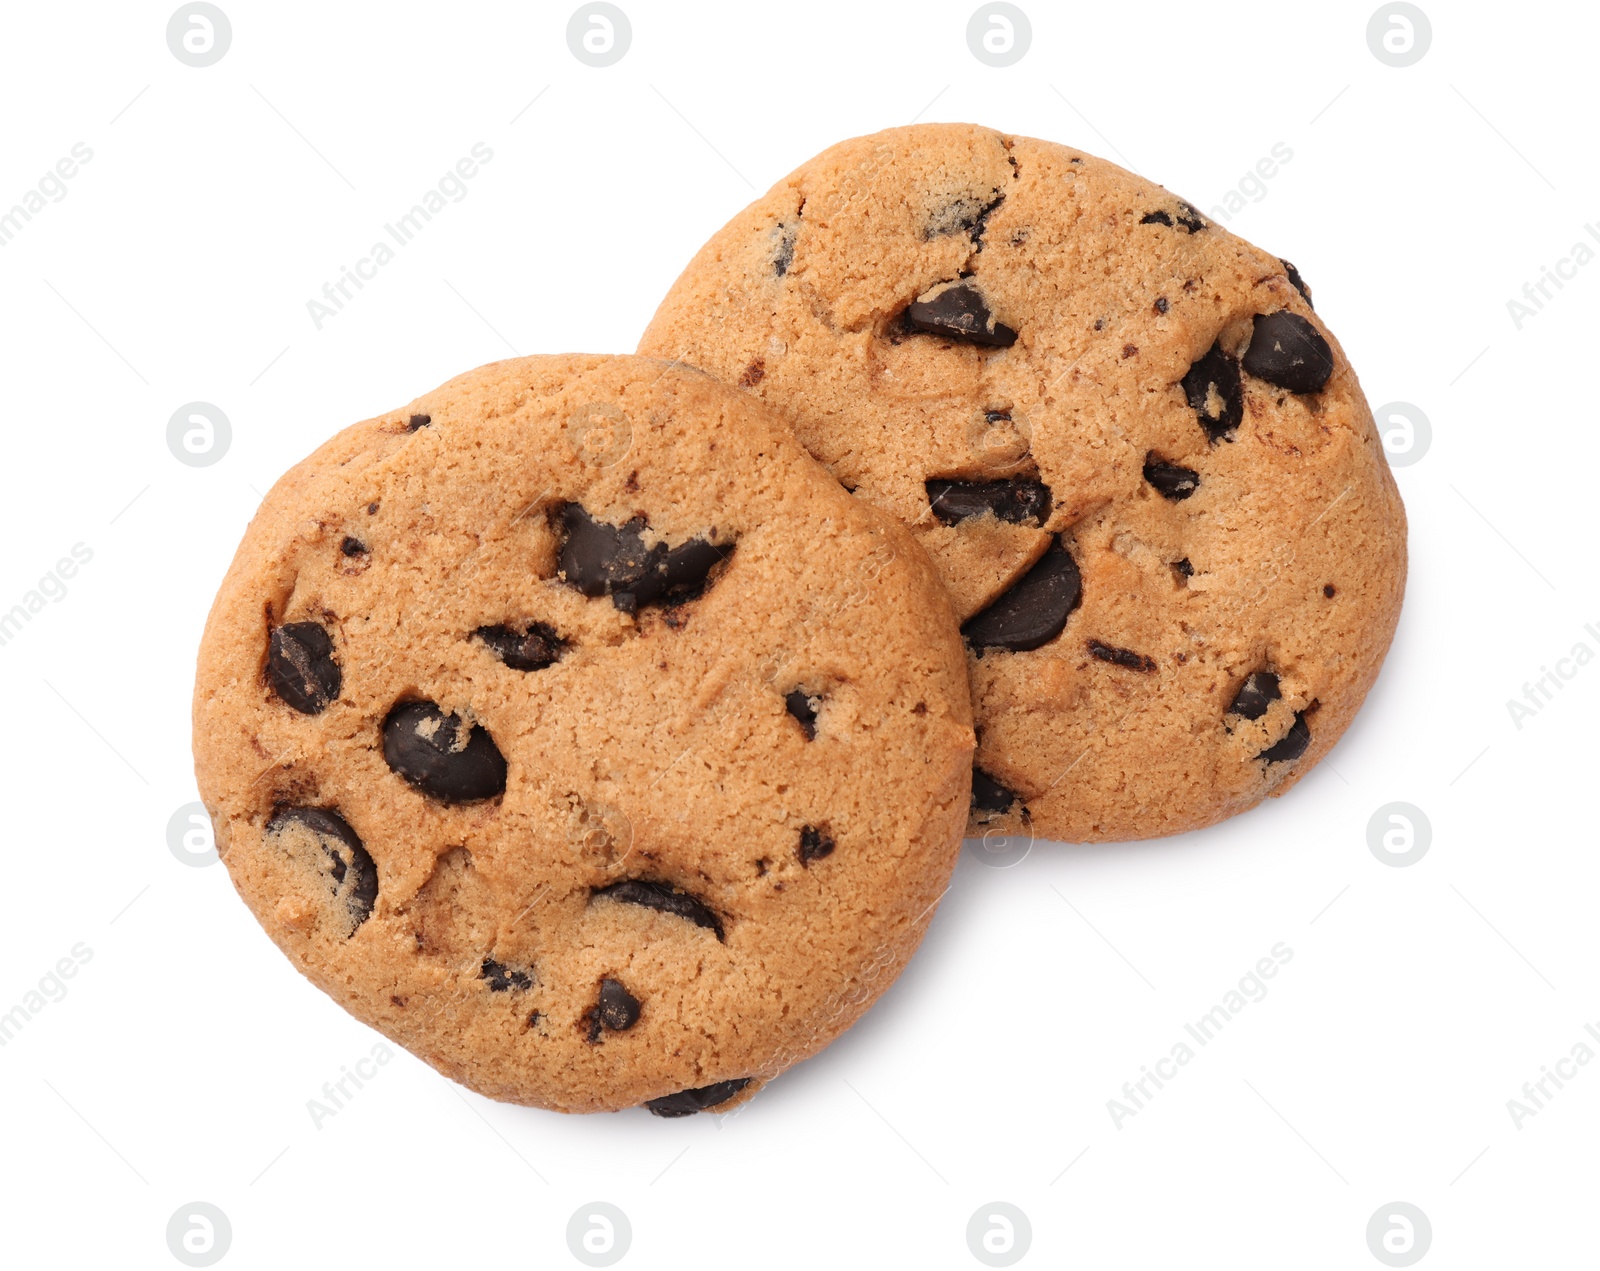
x,y
621,760
1142,465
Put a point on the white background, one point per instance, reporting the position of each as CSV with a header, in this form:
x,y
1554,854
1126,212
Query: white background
x,y
1418,1000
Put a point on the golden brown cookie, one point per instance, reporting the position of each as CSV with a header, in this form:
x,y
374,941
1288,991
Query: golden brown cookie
x,y
574,729
1144,469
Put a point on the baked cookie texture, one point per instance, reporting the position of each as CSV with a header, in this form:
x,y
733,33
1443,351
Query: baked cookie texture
x,y
1143,467
574,729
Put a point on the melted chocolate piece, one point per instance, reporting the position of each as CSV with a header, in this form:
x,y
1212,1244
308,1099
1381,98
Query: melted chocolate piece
x,y
815,843
426,747
1259,691
1215,392
1035,609
803,707
1296,281
1121,657
301,666
784,256
964,216
665,899
600,560
1293,743
1289,351
1170,480
351,871
959,312
1018,500
1188,219
687,1102
616,1011
503,978
988,795
532,649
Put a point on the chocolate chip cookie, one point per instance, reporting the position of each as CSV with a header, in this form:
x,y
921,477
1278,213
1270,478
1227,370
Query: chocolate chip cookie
x,y
576,730
1142,465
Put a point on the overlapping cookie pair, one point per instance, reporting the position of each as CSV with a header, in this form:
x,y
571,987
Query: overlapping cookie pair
x,y
578,729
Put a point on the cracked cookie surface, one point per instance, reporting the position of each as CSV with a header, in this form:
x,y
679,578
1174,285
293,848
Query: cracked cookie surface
x,y
1040,362
622,761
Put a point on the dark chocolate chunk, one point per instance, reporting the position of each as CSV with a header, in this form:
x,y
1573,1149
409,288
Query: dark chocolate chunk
x,y
958,311
1184,567
351,871
1296,281
502,977
1215,392
616,1011
1259,690
1329,591
419,421
988,795
814,844
1121,657
662,897
301,666
1293,743
1170,481
803,707
600,559
1034,610
968,216
1189,219
981,221
1019,500
687,1102
783,257
1162,304
441,756
532,649
1287,350
353,546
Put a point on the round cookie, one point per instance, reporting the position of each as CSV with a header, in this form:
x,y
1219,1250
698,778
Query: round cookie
x,y
1144,469
574,729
